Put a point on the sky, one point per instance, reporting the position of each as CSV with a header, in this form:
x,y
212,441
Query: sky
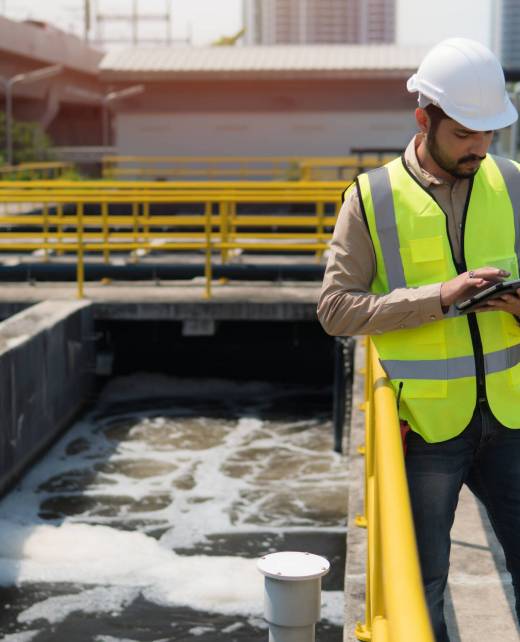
x,y
418,22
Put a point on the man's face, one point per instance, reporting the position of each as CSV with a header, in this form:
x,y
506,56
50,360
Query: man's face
x,y
457,149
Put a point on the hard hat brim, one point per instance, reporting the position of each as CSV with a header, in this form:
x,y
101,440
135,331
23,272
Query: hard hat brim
x,y
490,123
507,117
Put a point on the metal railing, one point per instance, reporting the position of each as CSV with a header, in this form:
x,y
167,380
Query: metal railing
x,y
395,608
36,170
68,217
292,168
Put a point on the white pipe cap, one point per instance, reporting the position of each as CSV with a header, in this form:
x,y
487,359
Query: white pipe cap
x,y
293,565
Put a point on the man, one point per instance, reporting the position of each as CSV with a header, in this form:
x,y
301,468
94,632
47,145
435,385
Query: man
x,y
412,239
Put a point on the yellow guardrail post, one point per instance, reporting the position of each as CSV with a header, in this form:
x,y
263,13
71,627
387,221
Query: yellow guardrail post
x,y
146,224
105,228
305,172
80,266
232,222
224,229
320,213
45,232
135,228
59,227
207,267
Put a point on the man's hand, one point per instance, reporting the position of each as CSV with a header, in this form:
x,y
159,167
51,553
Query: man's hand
x,y
506,303
468,284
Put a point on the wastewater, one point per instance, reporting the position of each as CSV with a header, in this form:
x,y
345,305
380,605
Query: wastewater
x,y
145,520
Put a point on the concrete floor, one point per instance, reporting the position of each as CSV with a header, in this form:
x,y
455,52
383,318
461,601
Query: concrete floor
x,y
167,291
480,603
175,300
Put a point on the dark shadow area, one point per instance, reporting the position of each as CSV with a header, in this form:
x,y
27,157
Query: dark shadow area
x,y
274,351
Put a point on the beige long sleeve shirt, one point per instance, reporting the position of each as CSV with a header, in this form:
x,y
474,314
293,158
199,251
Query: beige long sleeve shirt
x,y
346,306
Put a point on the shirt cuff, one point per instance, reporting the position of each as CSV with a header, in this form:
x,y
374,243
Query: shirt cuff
x,y
429,299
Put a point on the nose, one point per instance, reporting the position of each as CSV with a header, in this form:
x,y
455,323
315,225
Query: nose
x,y
481,143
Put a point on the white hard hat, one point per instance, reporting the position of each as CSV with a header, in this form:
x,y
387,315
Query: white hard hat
x,y
464,78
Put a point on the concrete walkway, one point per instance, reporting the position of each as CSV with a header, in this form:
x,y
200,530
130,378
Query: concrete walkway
x,y
480,601
172,300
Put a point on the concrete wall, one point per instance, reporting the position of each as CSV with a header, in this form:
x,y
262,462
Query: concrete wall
x,y
277,117
46,364
261,134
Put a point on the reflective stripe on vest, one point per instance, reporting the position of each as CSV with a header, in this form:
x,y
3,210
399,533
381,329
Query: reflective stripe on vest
x,y
383,202
455,368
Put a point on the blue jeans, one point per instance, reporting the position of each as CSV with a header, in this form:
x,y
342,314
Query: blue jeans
x,y
486,457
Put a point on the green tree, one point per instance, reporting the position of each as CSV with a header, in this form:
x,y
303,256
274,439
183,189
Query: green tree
x,y
30,142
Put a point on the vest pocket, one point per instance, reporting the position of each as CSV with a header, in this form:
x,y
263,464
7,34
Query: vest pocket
x,y
427,249
508,263
424,260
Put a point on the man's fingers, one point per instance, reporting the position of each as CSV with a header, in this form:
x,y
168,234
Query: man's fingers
x,y
488,274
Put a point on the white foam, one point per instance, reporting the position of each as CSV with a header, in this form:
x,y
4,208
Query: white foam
x,y
24,636
97,600
86,554
233,627
88,548
200,630
109,638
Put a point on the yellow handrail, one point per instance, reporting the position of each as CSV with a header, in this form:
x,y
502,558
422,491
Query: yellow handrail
x,y
395,606
44,169
77,220
294,168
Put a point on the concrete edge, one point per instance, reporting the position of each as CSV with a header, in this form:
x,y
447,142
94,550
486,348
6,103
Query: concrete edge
x,y
26,323
46,378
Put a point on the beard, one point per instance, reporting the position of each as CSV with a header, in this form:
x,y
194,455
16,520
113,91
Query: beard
x,y
453,167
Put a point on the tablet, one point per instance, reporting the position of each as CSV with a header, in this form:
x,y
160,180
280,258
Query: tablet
x,y
493,292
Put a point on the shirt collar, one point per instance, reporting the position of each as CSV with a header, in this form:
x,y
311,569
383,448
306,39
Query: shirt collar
x,y
410,156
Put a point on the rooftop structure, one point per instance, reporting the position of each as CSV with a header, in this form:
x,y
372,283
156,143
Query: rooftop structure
x,y
319,60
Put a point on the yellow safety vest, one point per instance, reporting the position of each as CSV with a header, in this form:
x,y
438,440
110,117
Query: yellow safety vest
x,y
440,366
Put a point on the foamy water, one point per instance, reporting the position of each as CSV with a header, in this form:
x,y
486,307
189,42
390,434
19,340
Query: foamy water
x,y
124,490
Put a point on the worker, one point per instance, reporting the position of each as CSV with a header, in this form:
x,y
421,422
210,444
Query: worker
x,y
413,238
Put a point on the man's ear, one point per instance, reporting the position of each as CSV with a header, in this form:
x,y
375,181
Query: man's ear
x,y
422,119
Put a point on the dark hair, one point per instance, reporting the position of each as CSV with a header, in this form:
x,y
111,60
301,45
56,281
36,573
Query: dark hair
x,y
436,115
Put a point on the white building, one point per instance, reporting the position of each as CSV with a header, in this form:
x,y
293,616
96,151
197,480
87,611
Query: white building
x,y
507,33
270,22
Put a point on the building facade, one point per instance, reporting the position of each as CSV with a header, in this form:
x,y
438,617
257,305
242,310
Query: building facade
x,y
69,118
506,36
281,100
270,22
